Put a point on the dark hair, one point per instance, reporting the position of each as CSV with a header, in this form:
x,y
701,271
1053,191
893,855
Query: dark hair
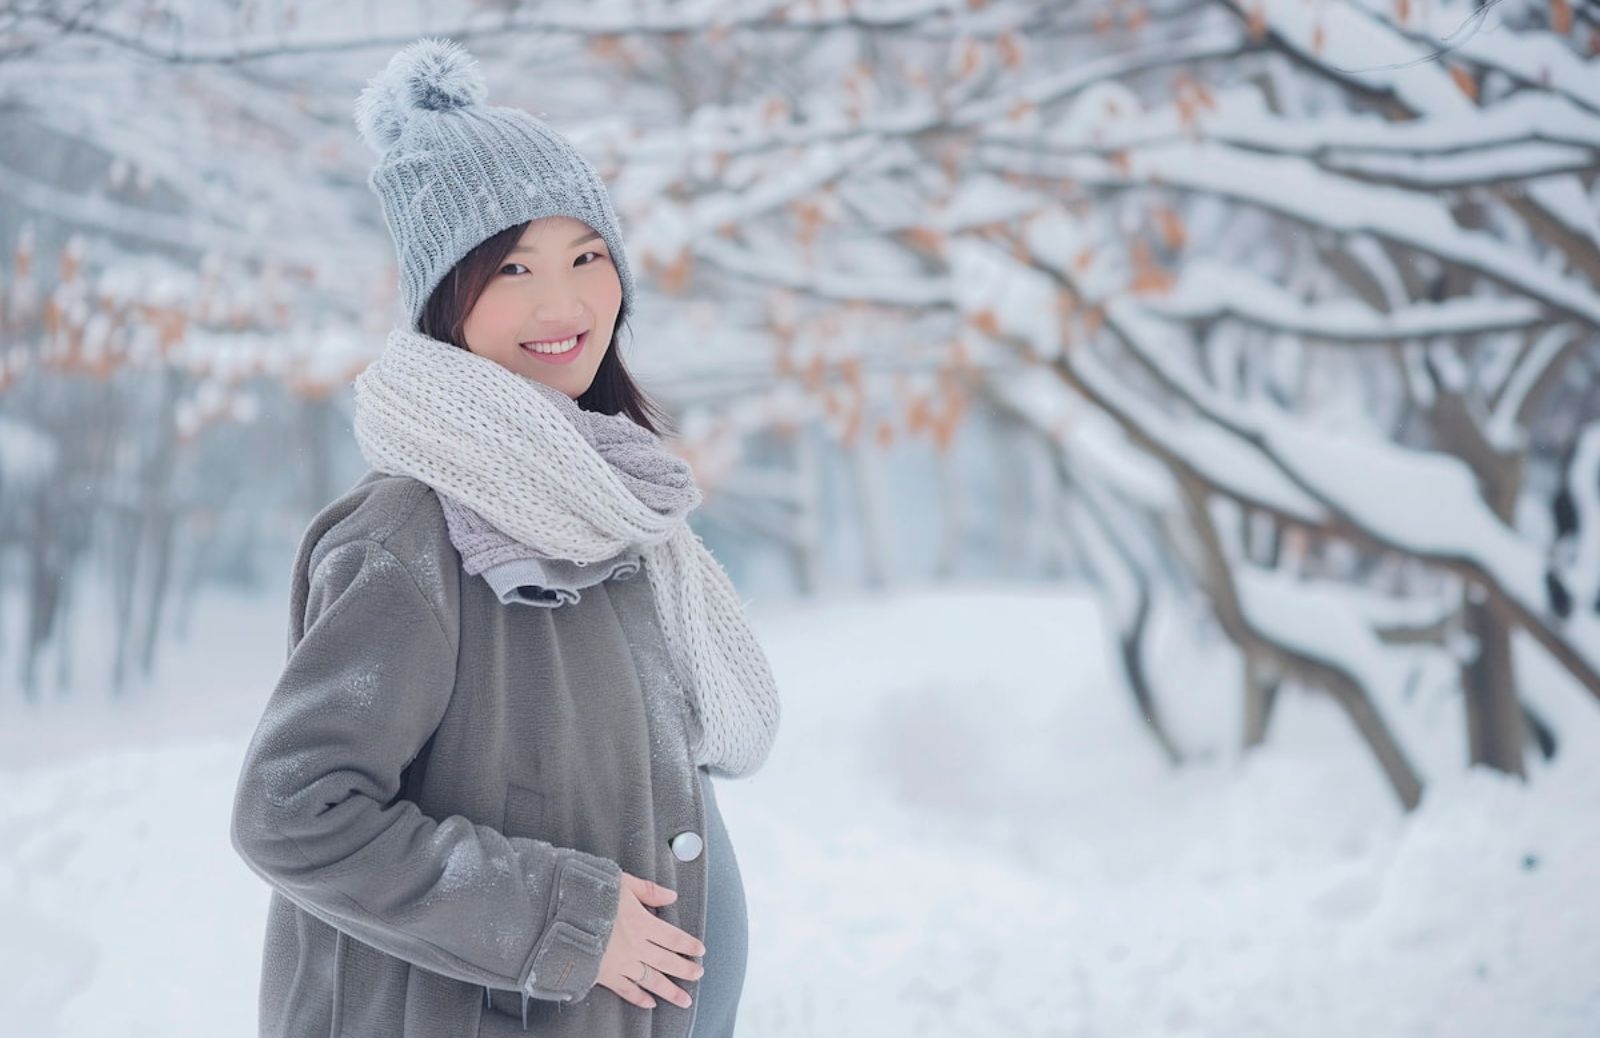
x,y
613,390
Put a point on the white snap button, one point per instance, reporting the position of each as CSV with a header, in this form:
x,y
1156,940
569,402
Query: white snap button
x,y
686,846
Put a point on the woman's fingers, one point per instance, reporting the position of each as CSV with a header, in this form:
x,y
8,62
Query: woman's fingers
x,y
637,995
674,965
673,939
641,938
655,981
625,987
649,892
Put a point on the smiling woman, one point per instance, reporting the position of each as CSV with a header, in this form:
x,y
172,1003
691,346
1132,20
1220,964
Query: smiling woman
x,y
563,281
509,826
549,314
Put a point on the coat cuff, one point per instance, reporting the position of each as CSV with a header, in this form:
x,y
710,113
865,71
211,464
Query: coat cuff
x,y
566,962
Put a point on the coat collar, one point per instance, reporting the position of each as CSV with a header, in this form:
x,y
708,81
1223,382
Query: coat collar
x,y
555,582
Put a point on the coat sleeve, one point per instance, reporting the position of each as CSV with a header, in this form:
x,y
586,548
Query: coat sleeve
x,y
317,811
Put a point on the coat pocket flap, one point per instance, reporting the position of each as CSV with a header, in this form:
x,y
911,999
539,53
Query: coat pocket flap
x,y
566,963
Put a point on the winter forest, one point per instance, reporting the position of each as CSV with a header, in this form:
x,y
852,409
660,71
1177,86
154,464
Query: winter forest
x,y
1158,442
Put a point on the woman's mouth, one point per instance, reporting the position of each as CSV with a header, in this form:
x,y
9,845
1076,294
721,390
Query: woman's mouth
x,y
559,351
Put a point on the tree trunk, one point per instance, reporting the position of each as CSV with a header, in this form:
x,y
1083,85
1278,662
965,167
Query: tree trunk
x,y
1496,729
1260,696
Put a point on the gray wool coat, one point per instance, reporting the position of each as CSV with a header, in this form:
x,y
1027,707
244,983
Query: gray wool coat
x,y
420,735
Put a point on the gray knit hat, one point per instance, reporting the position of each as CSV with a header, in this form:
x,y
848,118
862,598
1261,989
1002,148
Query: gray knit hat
x,y
452,170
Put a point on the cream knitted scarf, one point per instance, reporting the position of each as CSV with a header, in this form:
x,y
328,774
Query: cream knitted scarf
x,y
524,457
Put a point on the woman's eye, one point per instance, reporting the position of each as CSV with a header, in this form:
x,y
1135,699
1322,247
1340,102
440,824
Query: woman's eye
x,y
520,269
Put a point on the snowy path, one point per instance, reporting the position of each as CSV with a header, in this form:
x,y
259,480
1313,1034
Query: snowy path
x,y
962,831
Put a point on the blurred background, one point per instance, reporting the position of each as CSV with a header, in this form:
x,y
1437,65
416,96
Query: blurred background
x,y
1157,442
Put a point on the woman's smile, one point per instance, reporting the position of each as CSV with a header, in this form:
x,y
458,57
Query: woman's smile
x,y
557,351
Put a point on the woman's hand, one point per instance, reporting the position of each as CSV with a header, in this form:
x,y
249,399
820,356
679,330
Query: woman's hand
x,y
639,935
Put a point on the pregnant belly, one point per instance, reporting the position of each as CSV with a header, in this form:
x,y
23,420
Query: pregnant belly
x,y
716,993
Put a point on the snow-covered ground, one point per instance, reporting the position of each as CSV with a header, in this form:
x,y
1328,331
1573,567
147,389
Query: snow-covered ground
x,y
962,831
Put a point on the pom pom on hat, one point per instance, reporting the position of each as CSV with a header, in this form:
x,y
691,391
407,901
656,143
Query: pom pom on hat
x,y
429,75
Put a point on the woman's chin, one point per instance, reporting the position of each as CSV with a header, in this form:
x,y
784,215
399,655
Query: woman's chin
x,y
567,385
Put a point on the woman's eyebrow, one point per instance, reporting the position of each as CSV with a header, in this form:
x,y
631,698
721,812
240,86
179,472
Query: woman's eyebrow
x,y
591,236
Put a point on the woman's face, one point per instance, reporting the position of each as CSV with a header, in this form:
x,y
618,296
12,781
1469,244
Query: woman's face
x,y
557,283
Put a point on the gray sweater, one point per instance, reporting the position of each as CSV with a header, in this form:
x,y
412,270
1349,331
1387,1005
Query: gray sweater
x,y
443,789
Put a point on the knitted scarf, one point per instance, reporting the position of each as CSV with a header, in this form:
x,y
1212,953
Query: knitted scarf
x,y
566,483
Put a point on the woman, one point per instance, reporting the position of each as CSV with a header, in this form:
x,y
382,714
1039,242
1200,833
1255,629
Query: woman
x,y
481,788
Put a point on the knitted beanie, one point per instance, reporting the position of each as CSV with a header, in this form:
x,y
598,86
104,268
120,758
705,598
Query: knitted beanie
x,y
453,171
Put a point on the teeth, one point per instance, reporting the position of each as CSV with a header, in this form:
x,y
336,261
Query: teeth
x,y
551,347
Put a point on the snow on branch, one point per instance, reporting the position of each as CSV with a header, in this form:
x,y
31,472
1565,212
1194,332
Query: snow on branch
x,y
1531,57
1358,46
1533,373
1205,289
596,19
1423,503
1240,115
1293,187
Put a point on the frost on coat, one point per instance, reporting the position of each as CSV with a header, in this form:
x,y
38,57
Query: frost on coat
x,y
318,811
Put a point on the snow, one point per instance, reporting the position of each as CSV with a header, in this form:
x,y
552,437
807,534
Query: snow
x,y
1109,115
1533,57
992,843
1020,298
1205,288
1425,502
1509,162
1357,40
1298,189
1223,459
963,830
1325,622
1504,425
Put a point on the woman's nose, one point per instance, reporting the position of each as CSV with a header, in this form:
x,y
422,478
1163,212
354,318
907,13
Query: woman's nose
x,y
556,311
